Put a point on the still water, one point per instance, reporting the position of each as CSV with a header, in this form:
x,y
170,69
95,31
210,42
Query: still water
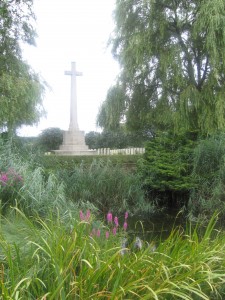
x,y
157,226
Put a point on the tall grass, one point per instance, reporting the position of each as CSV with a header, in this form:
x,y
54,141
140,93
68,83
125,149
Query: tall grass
x,y
41,194
101,184
209,173
53,259
107,186
37,193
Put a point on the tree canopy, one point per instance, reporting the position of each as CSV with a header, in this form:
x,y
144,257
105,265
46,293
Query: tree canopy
x,y
21,89
172,58
114,139
50,139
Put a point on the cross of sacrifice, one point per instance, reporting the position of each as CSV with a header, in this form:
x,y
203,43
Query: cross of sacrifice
x,y
73,98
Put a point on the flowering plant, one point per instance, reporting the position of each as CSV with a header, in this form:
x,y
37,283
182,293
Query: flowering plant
x,y
113,225
112,232
10,182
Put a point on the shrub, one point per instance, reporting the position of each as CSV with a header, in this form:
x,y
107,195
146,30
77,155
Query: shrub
x,y
166,168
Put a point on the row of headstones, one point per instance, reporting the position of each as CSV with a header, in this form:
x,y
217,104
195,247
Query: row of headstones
x,y
127,151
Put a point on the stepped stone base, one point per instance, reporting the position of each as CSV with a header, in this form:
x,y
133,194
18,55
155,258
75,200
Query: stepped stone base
x,y
74,153
74,144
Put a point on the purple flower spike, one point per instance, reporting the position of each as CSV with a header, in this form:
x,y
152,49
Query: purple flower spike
x,y
109,217
126,215
114,231
116,221
88,214
125,226
81,215
98,232
107,235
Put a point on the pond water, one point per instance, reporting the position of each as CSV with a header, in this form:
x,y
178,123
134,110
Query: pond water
x,y
158,226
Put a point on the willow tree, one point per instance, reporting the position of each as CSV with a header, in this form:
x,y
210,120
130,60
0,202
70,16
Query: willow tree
x,y
21,89
172,58
112,108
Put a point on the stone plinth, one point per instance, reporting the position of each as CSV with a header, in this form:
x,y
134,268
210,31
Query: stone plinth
x,y
73,140
75,153
74,144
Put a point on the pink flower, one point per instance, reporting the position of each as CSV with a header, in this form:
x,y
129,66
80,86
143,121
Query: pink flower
x,y
114,231
125,226
98,232
109,217
4,178
116,221
126,215
88,214
81,215
107,235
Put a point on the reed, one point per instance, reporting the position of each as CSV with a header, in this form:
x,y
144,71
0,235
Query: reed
x,y
105,185
54,259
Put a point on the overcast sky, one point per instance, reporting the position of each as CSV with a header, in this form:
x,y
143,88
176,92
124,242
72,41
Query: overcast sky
x,y
72,30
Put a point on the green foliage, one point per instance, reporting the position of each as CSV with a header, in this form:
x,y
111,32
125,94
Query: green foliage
x,y
60,183
118,139
208,156
52,254
112,109
57,259
92,139
172,65
106,186
40,193
167,165
53,163
50,139
10,183
21,97
209,173
16,25
21,89
26,146
36,192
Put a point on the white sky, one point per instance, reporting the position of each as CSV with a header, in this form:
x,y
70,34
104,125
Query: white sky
x,y
72,30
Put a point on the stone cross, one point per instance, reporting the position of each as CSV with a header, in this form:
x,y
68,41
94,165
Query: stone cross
x,y
73,98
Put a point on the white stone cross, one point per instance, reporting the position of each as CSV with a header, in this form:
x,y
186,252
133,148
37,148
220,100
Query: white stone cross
x,y
73,100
